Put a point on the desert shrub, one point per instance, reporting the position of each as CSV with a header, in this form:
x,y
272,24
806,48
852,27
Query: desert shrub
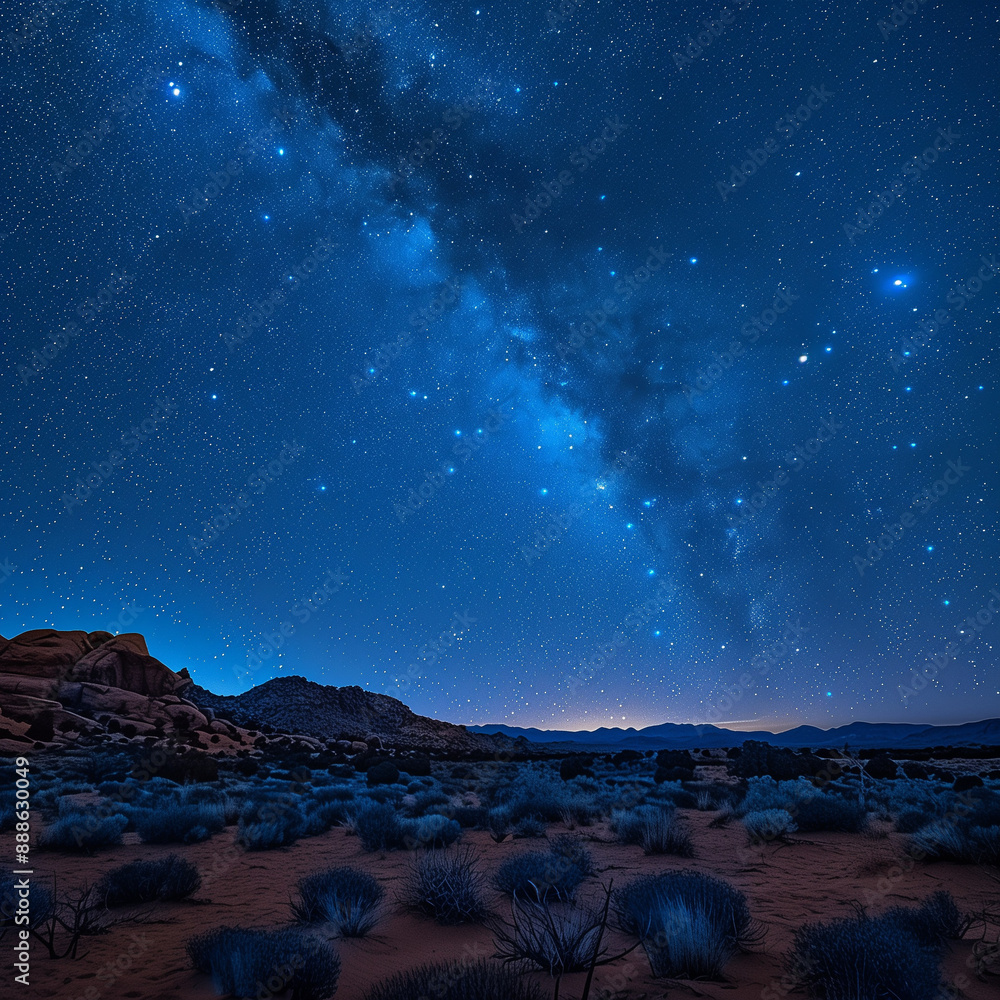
x,y
628,824
574,767
677,796
705,801
432,831
538,875
480,980
378,828
263,830
934,923
469,817
178,824
447,886
868,958
334,793
321,816
383,773
565,845
41,903
530,826
556,937
662,834
765,825
426,798
911,820
348,899
498,823
945,840
168,879
830,812
689,924
240,959
83,832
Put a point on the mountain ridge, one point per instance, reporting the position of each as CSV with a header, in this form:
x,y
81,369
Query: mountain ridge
x,y
689,736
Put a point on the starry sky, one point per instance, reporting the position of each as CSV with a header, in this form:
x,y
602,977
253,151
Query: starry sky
x,y
602,363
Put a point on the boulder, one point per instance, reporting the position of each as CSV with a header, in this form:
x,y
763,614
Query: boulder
x,y
966,781
43,652
881,766
124,662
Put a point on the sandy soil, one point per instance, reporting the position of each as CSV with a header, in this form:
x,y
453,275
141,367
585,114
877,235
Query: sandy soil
x,y
787,885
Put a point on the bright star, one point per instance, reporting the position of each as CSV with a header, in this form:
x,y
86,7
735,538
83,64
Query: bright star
x,y
177,92
692,260
651,572
803,358
930,548
544,492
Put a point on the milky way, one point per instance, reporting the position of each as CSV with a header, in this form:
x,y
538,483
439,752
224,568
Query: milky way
x,y
550,366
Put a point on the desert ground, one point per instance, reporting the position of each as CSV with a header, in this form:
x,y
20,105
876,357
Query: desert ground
x,y
790,877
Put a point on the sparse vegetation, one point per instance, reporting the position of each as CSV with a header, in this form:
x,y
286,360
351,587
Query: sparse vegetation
x,y
166,880
896,955
447,886
240,959
173,823
348,899
689,924
83,833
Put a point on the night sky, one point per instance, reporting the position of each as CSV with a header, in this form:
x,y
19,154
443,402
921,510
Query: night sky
x,y
540,366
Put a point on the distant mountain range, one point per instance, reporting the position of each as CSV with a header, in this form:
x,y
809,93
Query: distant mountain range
x,y
685,736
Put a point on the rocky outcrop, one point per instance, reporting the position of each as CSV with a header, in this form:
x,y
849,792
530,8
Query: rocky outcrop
x,y
297,705
123,661
56,686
